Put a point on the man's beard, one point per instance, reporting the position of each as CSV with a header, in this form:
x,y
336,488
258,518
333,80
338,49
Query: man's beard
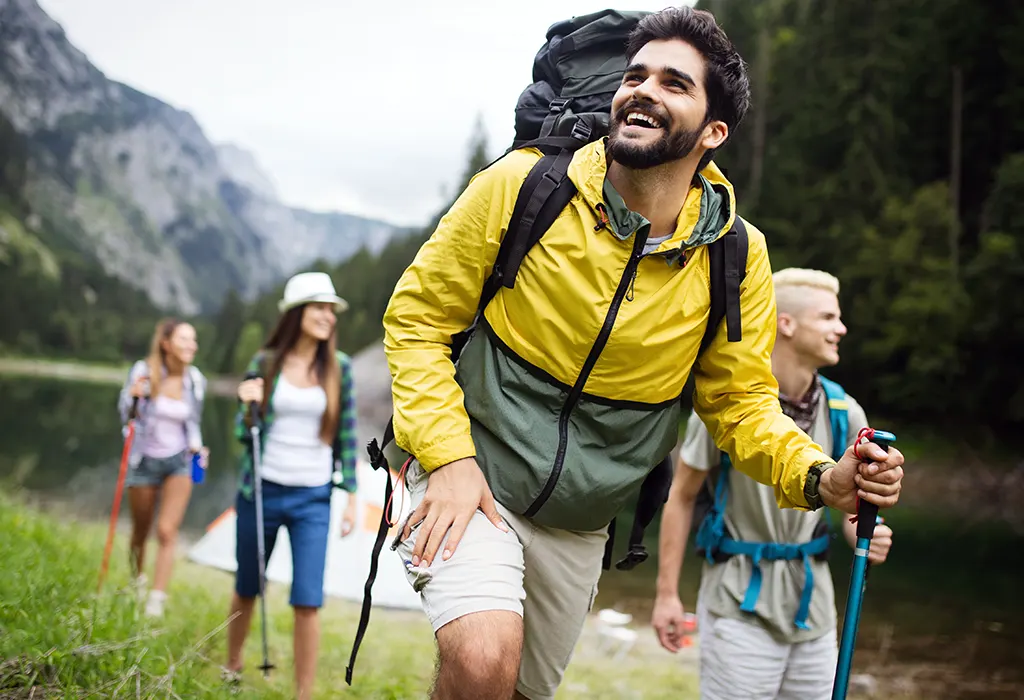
x,y
671,146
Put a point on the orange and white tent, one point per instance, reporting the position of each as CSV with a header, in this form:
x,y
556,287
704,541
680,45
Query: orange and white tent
x,y
348,558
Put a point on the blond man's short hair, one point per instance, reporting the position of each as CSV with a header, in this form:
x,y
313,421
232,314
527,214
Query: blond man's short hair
x,y
790,283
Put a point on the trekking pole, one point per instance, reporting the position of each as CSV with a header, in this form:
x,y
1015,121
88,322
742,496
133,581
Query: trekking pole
x,y
129,438
254,432
867,518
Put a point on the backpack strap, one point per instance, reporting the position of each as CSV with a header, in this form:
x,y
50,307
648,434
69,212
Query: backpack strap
x,y
377,461
838,413
728,260
715,544
839,422
653,494
545,192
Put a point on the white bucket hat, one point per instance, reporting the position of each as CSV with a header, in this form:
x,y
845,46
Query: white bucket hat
x,y
307,287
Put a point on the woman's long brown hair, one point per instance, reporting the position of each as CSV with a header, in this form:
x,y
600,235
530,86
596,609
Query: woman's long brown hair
x,y
157,358
282,340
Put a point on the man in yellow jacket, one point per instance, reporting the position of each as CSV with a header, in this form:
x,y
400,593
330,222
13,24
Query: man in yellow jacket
x,y
568,393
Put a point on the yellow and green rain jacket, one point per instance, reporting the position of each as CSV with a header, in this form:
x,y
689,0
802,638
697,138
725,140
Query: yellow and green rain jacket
x,y
569,392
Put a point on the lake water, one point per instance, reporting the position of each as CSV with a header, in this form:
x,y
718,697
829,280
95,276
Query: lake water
x,y
944,615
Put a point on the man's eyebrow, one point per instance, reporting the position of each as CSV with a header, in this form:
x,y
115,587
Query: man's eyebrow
x,y
674,72
685,77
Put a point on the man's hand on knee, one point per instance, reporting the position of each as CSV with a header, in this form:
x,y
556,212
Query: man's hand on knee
x,y
454,492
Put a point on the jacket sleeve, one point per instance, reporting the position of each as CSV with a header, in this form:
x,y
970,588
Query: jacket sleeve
x,y
347,427
737,396
435,298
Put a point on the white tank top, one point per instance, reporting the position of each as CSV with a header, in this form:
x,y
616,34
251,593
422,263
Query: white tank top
x,y
165,427
293,454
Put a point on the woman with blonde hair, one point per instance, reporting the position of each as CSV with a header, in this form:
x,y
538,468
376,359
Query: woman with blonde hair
x,y
307,446
166,392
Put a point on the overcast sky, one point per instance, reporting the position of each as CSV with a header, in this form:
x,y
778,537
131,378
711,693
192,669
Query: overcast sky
x,y
359,107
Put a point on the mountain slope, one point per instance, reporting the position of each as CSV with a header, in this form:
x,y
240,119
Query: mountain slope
x,y
133,183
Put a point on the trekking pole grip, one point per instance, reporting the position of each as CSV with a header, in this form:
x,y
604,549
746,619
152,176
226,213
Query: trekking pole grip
x,y
254,407
867,513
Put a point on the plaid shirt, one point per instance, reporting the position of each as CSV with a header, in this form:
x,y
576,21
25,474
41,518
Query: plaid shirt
x,y
344,448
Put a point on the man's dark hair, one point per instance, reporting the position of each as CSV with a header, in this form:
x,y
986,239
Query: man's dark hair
x,y
725,72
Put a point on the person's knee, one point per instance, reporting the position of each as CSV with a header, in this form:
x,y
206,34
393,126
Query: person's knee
x,y
482,653
167,535
482,664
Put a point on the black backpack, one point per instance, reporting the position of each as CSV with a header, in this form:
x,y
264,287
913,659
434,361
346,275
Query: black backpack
x,y
575,74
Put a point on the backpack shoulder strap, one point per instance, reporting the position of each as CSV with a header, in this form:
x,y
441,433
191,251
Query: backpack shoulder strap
x,y
542,197
712,529
838,413
728,261
545,192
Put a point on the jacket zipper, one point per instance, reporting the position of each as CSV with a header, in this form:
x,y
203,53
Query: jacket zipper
x,y
625,282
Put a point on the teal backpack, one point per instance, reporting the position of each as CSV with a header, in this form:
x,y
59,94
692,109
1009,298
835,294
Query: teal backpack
x,y
717,546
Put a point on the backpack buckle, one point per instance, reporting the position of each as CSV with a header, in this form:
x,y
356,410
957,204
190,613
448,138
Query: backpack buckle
x,y
558,105
637,555
377,459
581,131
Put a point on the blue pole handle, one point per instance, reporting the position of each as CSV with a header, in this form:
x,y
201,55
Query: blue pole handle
x,y
867,518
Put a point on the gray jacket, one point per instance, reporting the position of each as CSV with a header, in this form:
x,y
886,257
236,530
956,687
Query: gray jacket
x,y
194,394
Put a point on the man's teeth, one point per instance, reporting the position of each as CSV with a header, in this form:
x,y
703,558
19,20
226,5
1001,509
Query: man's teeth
x,y
634,117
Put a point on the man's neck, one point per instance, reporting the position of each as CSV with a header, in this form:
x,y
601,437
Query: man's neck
x,y
794,376
657,193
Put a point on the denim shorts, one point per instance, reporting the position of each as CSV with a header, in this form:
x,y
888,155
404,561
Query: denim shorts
x,y
152,471
306,512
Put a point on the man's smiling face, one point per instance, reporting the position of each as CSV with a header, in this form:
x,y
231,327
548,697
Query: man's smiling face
x,y
659,112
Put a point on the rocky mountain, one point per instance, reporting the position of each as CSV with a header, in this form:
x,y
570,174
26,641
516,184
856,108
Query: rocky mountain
x,y
241,166
133,183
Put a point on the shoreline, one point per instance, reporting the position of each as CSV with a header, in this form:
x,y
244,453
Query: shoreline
x,y
75,371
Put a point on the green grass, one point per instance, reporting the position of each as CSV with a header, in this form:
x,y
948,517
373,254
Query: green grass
x,y
60,639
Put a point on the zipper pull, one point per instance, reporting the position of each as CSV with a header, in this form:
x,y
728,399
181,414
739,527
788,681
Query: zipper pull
x,y
603,218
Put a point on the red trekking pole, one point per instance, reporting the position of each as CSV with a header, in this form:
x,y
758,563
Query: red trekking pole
x,y
128,439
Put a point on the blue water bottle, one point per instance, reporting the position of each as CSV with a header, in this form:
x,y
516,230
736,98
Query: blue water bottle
x,y
198,473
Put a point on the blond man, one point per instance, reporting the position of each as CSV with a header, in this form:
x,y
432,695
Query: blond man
x,y
767,630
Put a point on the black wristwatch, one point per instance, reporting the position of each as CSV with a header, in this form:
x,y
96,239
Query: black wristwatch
x,y
811,492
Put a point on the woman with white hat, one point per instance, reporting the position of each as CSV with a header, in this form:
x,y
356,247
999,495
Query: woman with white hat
x,y
307,447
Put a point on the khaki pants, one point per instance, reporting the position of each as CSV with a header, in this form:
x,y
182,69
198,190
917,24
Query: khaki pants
x,y
547,576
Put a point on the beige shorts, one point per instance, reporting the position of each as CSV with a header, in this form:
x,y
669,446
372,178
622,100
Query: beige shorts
x,y
739,659
547,576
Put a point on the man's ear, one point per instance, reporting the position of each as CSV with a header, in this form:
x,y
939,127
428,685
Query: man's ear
x,y
715,134
786,325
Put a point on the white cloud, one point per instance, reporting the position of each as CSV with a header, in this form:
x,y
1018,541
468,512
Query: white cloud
x,y
360,107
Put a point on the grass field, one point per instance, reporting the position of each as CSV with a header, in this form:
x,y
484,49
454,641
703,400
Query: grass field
x,y
60,639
